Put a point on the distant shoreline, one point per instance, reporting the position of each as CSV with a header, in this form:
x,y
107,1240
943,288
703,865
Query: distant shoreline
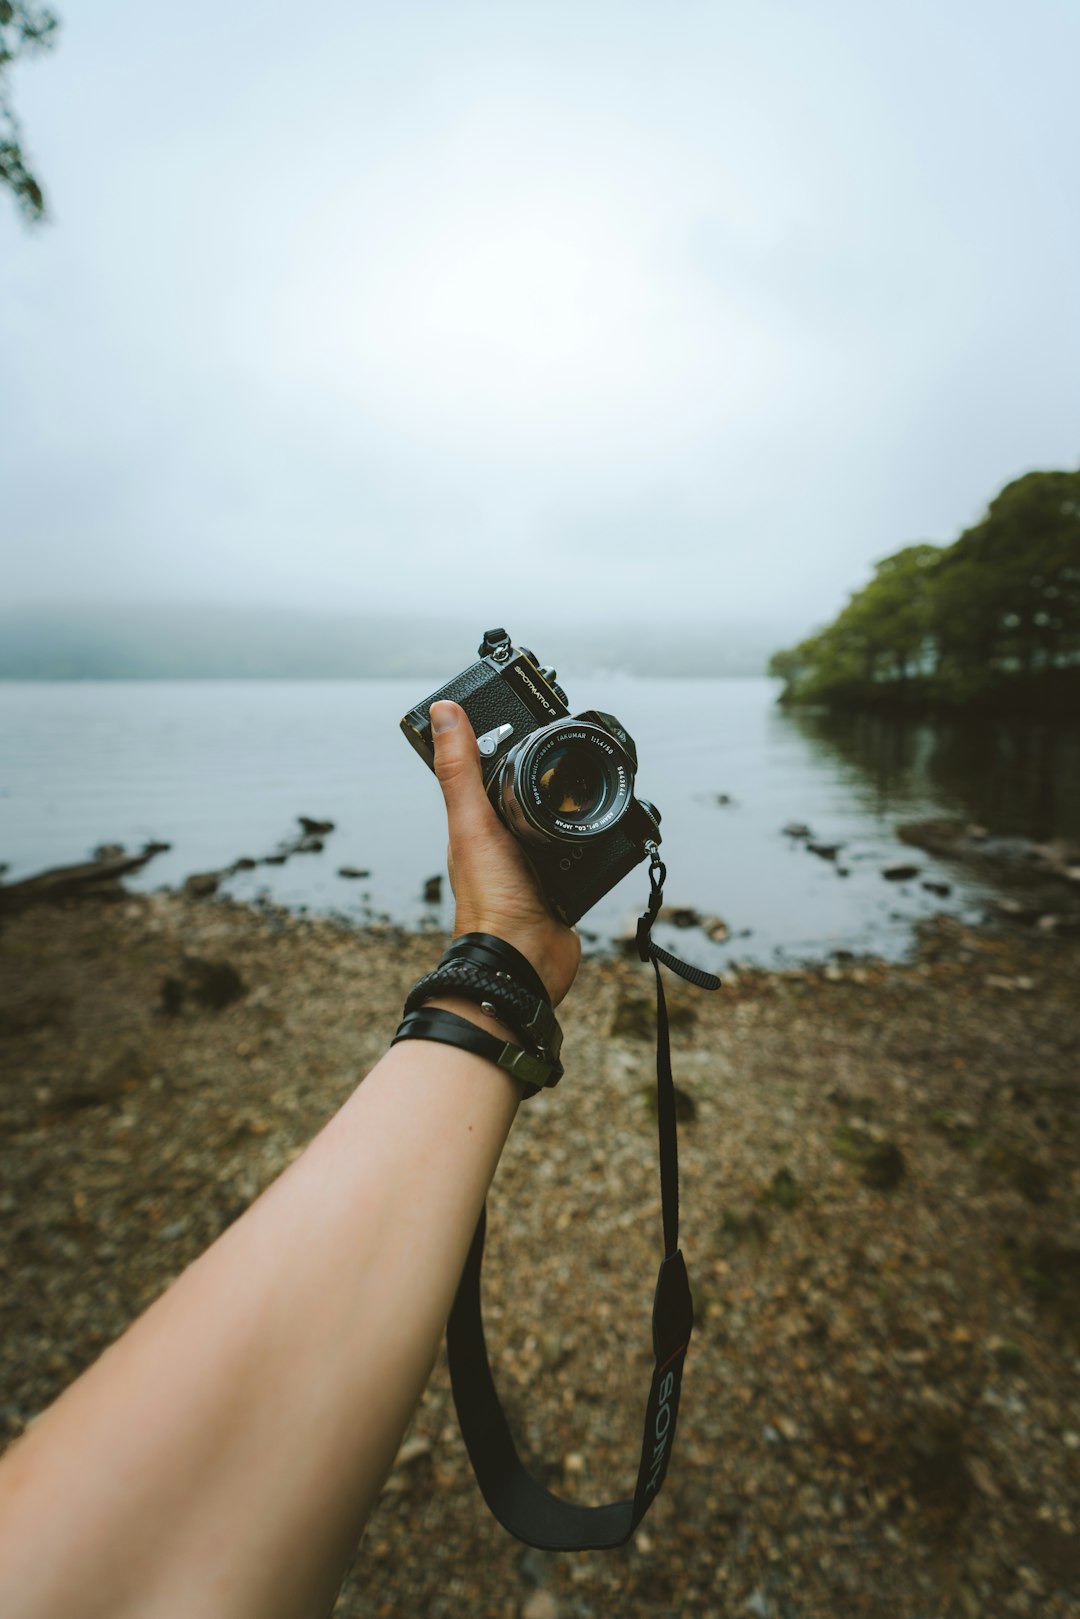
x,y
193,642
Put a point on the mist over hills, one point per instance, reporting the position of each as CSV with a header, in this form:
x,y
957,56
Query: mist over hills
x,y
262,643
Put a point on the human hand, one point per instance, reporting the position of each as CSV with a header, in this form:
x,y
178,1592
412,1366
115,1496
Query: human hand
x,y
493,885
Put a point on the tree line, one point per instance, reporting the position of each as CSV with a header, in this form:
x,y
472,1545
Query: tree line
x,y
991,620
25,27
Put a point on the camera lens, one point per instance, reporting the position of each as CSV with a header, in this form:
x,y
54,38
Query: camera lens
x,y
567,782
572,783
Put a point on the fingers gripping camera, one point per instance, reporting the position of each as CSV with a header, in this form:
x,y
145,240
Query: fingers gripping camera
x,y
562,783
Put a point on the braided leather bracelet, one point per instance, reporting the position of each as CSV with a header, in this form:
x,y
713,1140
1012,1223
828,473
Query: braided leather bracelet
x,y
530,1017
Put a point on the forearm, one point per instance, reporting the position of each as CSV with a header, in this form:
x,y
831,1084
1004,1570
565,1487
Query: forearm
x,y
222,1457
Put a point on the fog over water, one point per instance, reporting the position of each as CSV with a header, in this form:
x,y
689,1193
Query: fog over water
x,y
599,313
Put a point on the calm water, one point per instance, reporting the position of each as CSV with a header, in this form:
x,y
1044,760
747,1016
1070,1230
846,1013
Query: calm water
x,y
221,769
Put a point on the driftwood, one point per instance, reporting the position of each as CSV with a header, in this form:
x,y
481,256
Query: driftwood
x,y
96,878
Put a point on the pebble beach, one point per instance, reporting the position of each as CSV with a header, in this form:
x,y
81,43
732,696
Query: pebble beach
x,y
880,1195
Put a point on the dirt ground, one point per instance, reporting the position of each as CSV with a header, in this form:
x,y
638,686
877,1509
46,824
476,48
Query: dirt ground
x,y
880,1196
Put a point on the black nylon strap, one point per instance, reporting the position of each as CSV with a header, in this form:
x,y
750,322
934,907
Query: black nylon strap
x,y
518,1501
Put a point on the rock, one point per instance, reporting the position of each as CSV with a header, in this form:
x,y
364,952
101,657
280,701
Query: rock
x,y
635,1017
540,1604
433,890
796,829
942,890
352,871
1017,909
552,1349
826,851
274,859
98,878
724,798
214,984
899,873
714,928
172,996
883,1165
880,1162
101,1085
1059,924
680,916
202,883
1051,1271
685,1106
784,1189
535,1566
316,829
758,1605
412,1451
244,863
737,1224
1009,1356
1023,1173
1055,1551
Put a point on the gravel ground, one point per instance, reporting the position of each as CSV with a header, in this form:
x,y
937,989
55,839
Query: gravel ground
x,y
880,1189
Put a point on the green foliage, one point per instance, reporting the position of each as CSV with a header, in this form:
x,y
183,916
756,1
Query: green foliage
x,y
996,614
25,27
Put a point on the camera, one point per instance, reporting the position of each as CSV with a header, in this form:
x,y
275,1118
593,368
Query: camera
x,y
562,783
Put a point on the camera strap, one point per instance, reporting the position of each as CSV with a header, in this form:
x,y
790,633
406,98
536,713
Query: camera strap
x,y
521,1504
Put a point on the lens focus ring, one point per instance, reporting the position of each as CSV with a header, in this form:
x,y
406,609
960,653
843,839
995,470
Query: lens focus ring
x,y
567,783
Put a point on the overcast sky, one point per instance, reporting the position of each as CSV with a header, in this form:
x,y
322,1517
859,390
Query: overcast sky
x,y
694,308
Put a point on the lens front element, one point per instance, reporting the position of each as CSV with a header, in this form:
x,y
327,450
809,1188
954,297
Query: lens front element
x,y
565,783
572,784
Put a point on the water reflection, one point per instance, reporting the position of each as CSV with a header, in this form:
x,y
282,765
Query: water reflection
x,y
1012,777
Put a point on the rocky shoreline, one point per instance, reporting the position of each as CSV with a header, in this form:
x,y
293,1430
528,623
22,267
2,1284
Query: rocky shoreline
x,y
881,1190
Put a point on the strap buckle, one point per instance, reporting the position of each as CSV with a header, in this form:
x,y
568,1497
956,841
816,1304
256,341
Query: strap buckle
x,y
525,1066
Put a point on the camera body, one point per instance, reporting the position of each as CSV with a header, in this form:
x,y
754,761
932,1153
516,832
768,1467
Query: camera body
x,y
562,783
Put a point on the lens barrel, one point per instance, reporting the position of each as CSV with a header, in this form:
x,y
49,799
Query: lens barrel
x,y
567,783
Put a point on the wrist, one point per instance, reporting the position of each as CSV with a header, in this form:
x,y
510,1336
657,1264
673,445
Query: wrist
x,y
544,962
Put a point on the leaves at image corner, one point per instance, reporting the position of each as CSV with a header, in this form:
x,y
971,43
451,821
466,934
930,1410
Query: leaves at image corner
x,y
24,28
994,617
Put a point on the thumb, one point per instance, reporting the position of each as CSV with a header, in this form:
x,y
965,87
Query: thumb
x,y
457,766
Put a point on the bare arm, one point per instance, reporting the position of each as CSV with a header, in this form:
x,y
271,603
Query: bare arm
x,y
223,1456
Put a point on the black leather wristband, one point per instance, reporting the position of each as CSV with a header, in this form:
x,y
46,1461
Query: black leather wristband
x,y
488,950
530,1017
435,1023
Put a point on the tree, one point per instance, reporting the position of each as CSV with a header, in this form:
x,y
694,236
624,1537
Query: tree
x,y
994,617
877,644
25,27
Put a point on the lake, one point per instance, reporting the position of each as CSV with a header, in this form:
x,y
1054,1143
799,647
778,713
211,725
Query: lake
x,y
221,769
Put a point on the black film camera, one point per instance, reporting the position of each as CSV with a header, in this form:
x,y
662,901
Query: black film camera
x,y
562,783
